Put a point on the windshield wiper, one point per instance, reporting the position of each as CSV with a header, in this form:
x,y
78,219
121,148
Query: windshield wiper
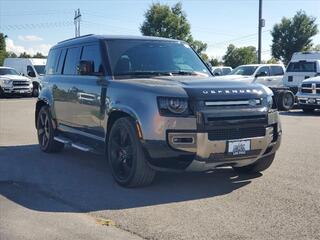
x,y
189,73
144,73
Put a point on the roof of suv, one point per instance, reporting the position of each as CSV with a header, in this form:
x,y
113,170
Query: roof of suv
x,y
267,64
92,37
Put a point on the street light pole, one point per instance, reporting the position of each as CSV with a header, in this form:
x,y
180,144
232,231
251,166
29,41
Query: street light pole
x,y
261,25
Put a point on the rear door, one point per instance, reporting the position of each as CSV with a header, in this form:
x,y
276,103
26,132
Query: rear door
x,y
263,79
276,76
77,97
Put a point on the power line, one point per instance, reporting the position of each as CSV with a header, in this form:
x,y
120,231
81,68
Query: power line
x,y
27,26
253,35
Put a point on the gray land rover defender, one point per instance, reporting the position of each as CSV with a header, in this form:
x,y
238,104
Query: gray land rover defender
x,y
152,104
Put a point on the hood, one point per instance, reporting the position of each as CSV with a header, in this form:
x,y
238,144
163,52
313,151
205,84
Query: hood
x,y
201,88
14,77
312,80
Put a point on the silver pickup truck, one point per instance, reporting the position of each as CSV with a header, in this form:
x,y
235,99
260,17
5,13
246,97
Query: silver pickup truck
x,y
309,94
151,104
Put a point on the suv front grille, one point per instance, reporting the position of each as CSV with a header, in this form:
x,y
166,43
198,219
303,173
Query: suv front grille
x,y
20,83
306,90
236,133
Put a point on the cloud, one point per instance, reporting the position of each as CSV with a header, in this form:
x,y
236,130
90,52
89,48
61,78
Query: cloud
x,y
30,38
17,49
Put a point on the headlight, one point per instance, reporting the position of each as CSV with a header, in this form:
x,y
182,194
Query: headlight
x,y
270,101
173,106
7,82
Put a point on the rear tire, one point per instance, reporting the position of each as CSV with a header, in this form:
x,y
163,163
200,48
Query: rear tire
x,y
308,110
259,166
126,157
45,132
285,100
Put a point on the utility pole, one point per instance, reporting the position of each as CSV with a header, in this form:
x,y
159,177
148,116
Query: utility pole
x,y
261,25
77,19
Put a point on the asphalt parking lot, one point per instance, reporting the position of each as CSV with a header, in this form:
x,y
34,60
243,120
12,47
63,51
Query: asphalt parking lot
x,y
37,189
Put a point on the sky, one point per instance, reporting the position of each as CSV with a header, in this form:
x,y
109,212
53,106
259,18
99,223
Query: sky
x,y
36,25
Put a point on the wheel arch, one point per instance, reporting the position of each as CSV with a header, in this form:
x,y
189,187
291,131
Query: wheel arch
x,y
40,103
116,114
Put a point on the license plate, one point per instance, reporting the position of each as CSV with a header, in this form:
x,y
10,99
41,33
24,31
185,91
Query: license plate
x,y
22,91
239,147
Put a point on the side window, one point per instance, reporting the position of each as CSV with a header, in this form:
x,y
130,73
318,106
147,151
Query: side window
x,y
276,71
52,61
71,61
263,70
92,53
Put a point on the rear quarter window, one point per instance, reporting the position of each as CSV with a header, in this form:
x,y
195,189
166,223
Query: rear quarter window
x,y
51,65
276,71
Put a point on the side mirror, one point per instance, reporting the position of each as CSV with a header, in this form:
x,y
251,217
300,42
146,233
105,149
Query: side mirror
x,y
216,74
262,74
85,67
31,74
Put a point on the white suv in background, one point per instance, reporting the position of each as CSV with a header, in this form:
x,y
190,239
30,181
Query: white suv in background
x,y
270,75
11,82
303,65
220,70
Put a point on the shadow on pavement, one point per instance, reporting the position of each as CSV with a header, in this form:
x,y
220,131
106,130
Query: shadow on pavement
x,y
300,113
83,181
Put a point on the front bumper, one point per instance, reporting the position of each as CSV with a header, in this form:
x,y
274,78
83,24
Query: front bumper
x,y
17,89
192,150
309,100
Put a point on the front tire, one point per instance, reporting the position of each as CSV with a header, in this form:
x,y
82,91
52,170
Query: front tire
x,y
45,132
126,157
259,166
285,100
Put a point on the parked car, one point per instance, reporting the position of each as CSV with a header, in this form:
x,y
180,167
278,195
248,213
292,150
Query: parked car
x,y
31,67
303,65
221,70
159,108
309,94
270,75
11,82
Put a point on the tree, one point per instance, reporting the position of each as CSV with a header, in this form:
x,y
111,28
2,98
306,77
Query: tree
x,y
239,56
293,35
39,55
24,55
3,52
11,55
163,21
215,62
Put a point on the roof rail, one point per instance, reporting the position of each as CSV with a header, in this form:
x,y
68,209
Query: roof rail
x,y
76,38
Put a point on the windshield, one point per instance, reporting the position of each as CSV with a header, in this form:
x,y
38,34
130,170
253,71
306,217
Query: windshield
x,y
8,71
40,69
244,70
143,57
302,66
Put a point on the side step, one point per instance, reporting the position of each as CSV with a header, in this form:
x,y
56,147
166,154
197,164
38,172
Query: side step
x,y
69,143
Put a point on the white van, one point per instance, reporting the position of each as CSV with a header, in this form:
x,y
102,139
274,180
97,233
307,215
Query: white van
x,y
303,65
34,68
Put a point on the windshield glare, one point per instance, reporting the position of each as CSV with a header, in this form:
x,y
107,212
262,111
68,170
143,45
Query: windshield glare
x,y
133,57
8,71
40,69
243,70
